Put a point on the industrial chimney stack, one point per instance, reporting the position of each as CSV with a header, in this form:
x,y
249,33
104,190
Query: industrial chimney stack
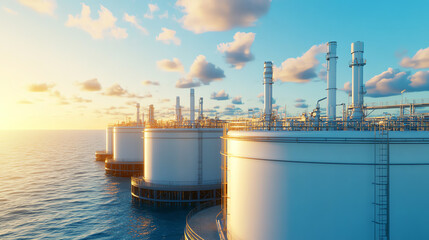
x,y
151,114
192,107
268,90
138,114
331,58
178,110
200,117
357,80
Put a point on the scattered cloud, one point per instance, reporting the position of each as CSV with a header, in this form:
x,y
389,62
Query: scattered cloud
x,y
206,72
164,15
237,53
81,100
24,102
10,11
117,91
418,61
187,83
261,98
168,36
40,87
104,26
133,20
260,95
301,69
164,100
216,107
392,82
301,105
149,82
90,85
299,100
174,65
231,110
41,6
221,95
221,15
152,9
237,100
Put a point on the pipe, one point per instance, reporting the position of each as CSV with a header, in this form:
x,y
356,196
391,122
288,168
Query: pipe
x,y
192,107
268,90
178,112
138,114
331,58
357,79
200,117
151,114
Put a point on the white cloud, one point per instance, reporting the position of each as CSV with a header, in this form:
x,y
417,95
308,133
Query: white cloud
x,y
133,20
221,15
104,26
164,15
301,105
90,85
221,95
187,83
117,91
299,100
40,87
237,100
10,11
206,72
237,53
419,60
152,8
42,6
168,36
174,65
301,69
393,81
148,82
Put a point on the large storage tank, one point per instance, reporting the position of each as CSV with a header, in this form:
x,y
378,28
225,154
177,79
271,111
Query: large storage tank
x,y
182,166
127,152
320,185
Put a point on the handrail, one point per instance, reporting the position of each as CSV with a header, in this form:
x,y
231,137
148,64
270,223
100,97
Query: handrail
x,y
141,181
190,234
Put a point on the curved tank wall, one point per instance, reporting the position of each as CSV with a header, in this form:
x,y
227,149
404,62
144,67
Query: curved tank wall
x,y
182,155
128,144
319,185
109,140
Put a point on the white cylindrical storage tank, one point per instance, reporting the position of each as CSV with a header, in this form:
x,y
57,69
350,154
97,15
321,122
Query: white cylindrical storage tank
x,y
182,156
319,185
128,144
109,140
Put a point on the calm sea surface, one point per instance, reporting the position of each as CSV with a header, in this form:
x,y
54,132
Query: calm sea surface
x,y
51,188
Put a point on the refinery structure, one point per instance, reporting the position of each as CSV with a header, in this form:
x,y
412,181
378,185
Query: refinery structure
x,y
314,176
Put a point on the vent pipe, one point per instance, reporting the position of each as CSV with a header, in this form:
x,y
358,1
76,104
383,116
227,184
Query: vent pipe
x,y
201,109
268,90
331,58
357,80
151,114
192,107
178,110
138,114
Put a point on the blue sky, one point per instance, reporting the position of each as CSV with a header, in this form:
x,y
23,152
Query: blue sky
x,y
38,47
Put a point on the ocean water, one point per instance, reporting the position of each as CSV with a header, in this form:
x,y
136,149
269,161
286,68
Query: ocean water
x,y
52,188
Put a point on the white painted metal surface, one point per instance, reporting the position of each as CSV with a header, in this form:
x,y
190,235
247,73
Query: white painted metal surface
x,y
357,79
172,155
178,110
192,106
128,144
331,58
322,190
268,90
109,140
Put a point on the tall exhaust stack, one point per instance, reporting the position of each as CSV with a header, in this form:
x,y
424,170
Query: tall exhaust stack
x,y
151,114
138,114
268,90
192,107
178,112
201,109
331,58
357,80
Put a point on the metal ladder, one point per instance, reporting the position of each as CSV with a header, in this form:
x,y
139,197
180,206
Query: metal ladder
x,y
381,187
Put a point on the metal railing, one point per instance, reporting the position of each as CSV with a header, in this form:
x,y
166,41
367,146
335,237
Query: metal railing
x,y
205,123
413,124
190,234
182,185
